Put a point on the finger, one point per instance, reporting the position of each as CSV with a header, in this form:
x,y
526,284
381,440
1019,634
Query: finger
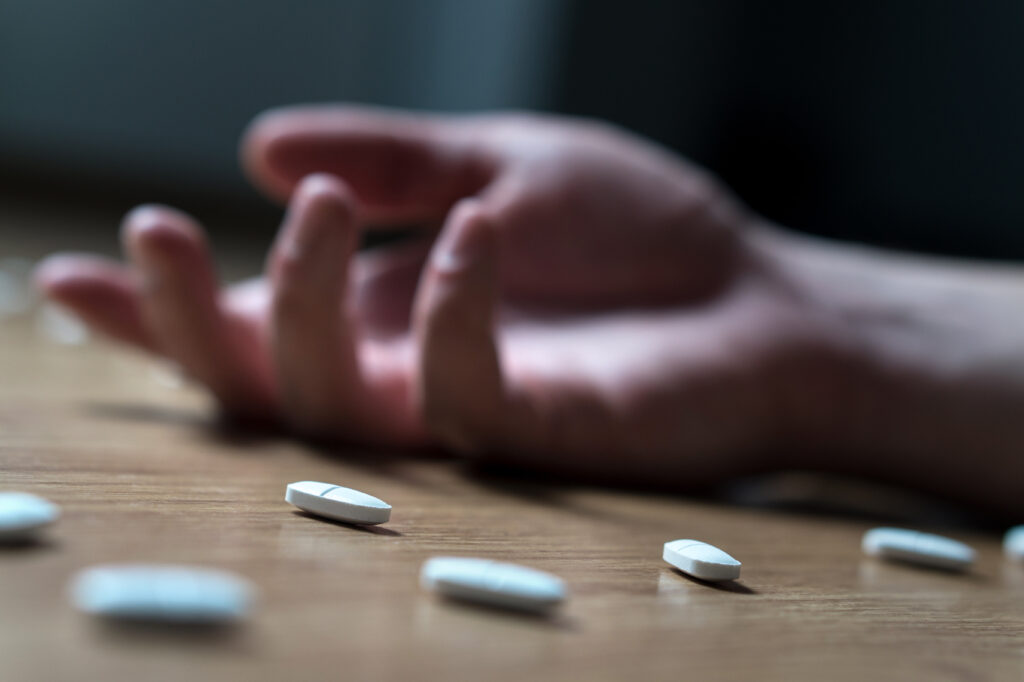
x,y
460,390
402,167
313,344
104,294
180,302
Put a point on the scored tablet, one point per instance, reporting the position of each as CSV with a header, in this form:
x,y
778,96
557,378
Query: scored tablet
x,y
493,583
338,503
701,560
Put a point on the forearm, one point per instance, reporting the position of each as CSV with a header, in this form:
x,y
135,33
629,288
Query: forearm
x,y
931,364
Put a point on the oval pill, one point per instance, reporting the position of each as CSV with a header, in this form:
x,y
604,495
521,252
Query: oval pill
x,y
1013,543
915,547
701,560
335,502
23,514
493,583
165,593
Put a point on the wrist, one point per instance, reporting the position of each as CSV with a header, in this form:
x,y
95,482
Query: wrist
x,y
920,366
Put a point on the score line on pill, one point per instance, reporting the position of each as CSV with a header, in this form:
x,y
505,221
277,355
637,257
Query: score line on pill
x,y
22,515
162,593
338,503
701,560
924,549
493,583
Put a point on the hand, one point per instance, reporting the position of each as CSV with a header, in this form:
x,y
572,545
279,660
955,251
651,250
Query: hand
x,y
592,306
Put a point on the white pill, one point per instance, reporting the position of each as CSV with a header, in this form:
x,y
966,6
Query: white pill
x,y
335,502
1013,543
493,583
701,560
22,515
166,593
918,548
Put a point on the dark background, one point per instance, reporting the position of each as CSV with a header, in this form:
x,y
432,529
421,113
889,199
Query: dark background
x,y
896,123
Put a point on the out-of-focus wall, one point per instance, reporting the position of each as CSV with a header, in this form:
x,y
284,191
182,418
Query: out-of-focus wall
x,y
896,123
157,93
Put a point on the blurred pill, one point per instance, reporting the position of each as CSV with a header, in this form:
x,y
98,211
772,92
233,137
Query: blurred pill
x,y
164,593
913,547
23,515
1013,543
493,583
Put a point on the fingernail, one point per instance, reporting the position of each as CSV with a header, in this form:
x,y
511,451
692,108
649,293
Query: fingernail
x,y
300,233
462,247
315,216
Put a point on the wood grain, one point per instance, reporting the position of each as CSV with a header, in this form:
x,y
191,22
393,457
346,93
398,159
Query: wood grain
x,y
142,476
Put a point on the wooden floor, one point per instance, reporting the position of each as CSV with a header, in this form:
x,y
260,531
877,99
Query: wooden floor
x,y
141,476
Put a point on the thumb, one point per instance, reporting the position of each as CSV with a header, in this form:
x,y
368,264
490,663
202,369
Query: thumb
x,y
402,167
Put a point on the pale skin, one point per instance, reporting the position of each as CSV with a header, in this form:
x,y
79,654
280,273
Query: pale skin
x,y
593,306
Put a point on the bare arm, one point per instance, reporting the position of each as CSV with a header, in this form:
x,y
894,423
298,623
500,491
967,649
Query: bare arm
x,y
929,367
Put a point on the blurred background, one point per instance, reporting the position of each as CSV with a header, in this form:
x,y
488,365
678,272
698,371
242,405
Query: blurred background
x,y
894,123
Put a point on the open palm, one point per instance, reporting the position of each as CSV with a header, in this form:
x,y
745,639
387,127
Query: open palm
x,y
592,305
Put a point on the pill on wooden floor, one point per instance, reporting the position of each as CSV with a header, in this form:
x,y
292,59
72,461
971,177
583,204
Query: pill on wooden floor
x,y
1013,543
701,560
335,502
22,515
493,583
918,548
165,593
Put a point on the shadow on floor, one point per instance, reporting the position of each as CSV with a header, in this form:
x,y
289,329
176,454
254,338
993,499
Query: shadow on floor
x,y
733,586
805,494
196,636
373,530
